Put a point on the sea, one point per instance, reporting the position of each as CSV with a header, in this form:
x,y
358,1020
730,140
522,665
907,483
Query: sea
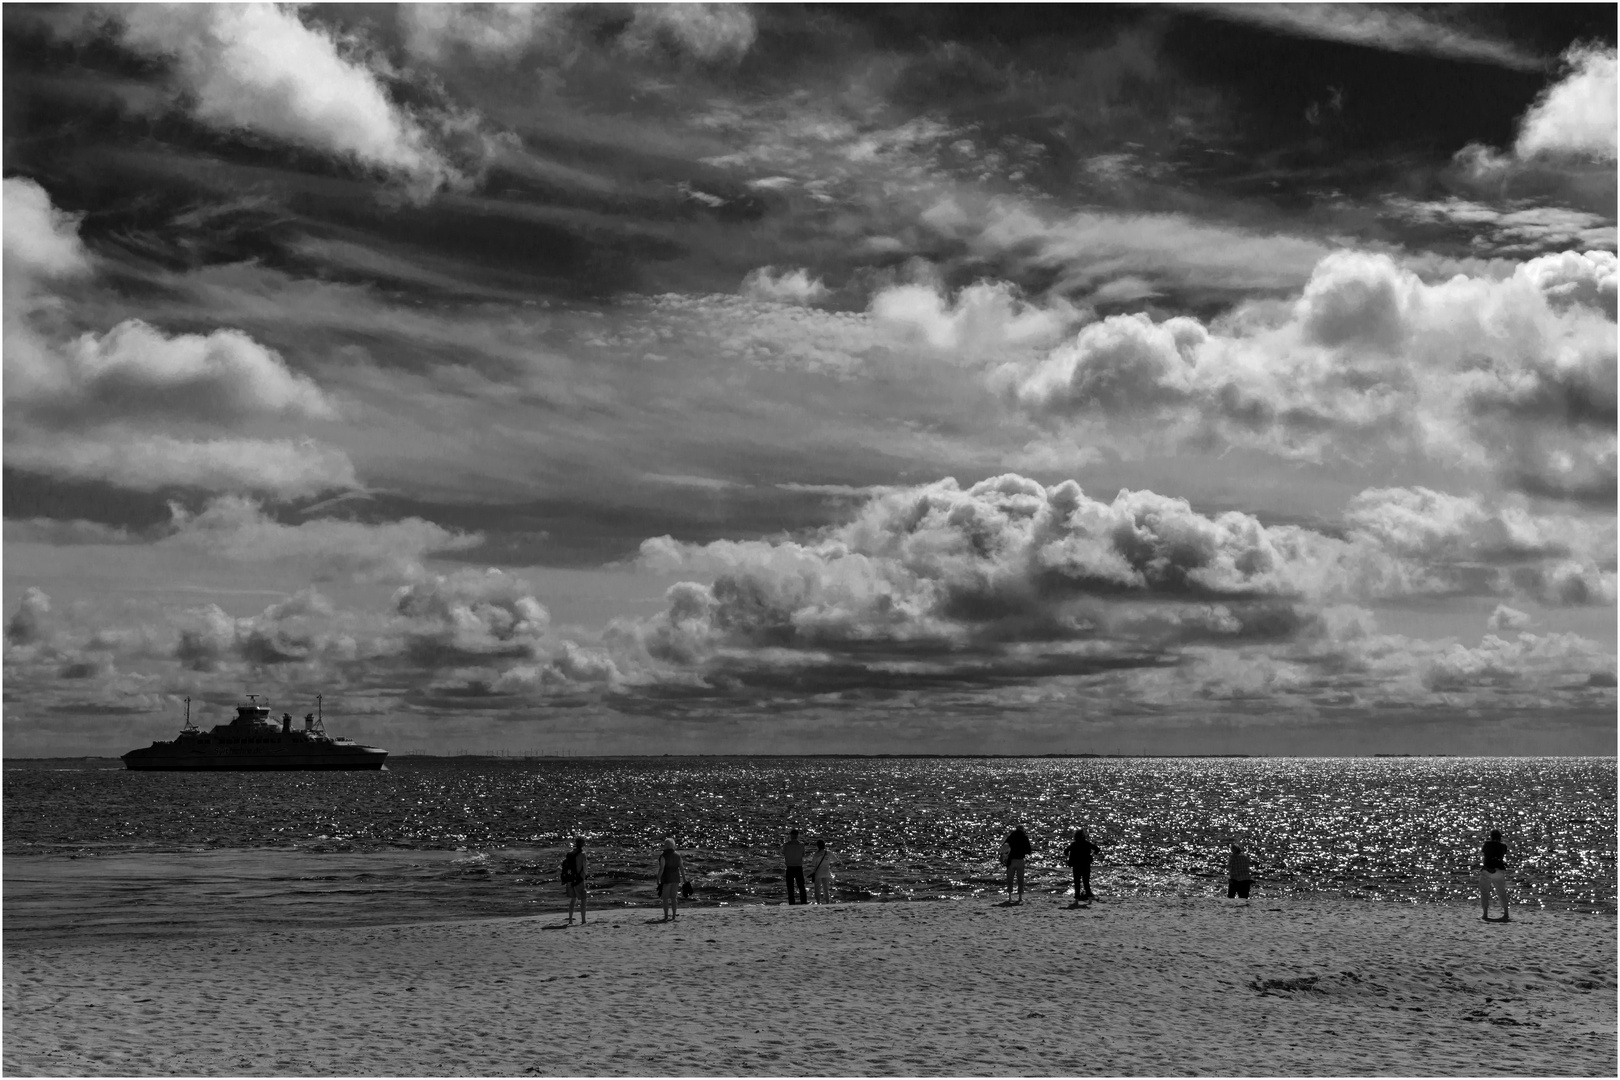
x,y
92,850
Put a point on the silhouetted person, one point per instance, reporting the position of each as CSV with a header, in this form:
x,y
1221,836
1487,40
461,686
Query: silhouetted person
x,y
1078,855
1493,875
793,857
1018,849
670,874
1239,874
821,872
573,875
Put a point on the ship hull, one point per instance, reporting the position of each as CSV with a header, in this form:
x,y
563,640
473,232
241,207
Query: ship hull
x,y
171,764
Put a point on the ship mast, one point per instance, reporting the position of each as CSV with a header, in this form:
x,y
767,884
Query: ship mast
x,y
188,726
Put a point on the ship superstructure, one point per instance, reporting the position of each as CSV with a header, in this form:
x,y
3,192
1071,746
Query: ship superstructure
x,y
255,740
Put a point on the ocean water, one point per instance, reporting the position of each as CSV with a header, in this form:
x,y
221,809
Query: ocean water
x,y
92,849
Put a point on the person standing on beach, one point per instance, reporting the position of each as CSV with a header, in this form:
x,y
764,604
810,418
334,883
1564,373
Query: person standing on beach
x,y
1079,854
821,873
1018,849
1239,874
670,874
1493,875
793,857
573,876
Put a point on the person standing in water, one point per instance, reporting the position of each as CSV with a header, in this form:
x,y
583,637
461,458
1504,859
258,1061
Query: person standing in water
x,y
670,875
573,875
1493,875
793,859
1239,874
1079,854
821,873
1018,849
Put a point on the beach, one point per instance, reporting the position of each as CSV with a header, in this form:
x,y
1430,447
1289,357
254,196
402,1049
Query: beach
x,y
1143,986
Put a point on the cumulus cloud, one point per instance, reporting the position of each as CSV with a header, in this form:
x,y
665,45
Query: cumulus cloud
x,y
1576,115
262,68
283,468
943,585
981,318
1506,618
135,369
1497,661
1566,141
303,629
470,616
26,625
788,286
41,241
1009,564
237,528
1515,374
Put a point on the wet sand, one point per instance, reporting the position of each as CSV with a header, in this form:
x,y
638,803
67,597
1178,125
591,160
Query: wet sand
x,y
1141,986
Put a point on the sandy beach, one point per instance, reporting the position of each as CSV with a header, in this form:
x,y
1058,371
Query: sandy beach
x,y
1140,986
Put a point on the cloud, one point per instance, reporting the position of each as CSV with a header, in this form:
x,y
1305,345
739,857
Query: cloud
x,y
137,370
236,528
501,32
1466,544
504,33
1515,374
1565,145
985,317
470,616
283,468
1377,26
303,629
1575,116
1497,661
788,287
1086,252
714,33
1506,618
1009,579
260,67
26,625
1519,228
40,240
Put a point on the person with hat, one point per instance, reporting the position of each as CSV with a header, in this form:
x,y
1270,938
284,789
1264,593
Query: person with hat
x,y
670,875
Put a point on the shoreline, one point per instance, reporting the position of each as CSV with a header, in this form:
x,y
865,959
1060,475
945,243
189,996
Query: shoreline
x,y
1151,986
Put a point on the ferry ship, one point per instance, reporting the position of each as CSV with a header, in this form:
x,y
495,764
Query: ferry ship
x,y
253,740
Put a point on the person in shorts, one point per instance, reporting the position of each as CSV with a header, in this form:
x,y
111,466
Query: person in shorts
x,y
1493,875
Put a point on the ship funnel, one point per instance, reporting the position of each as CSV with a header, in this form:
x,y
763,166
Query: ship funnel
x,y
309,721
286,722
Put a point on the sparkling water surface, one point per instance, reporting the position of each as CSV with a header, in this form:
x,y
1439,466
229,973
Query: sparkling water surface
x,y
451,837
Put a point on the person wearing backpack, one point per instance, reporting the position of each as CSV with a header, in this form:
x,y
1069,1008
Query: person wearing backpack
x,y
573,878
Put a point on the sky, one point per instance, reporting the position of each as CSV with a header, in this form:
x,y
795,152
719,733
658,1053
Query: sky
x,y
858,379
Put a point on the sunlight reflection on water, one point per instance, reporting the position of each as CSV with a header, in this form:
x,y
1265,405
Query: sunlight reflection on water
x,y
1378,828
